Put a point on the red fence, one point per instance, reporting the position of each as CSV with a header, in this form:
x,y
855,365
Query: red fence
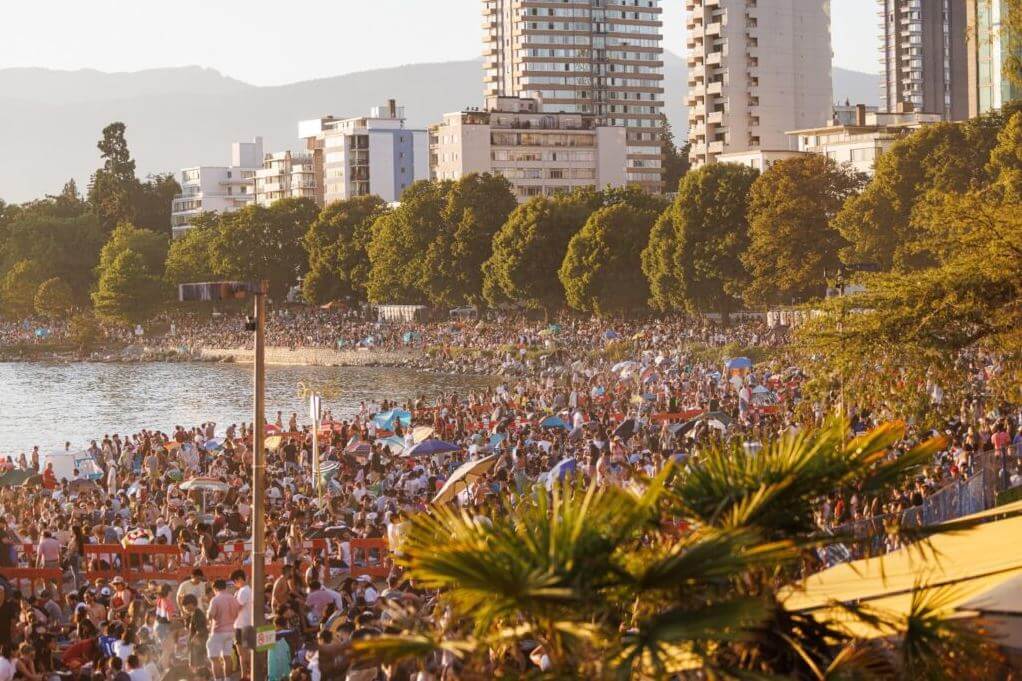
x,y
163,563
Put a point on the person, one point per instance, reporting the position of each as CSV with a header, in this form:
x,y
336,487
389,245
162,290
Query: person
x,y
244,634
198,632
223,610
48,551
7,668
24,664
8,616
117,672
195,586
136,672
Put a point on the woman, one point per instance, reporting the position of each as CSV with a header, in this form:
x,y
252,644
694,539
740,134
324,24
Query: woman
x,y
76,553
24,664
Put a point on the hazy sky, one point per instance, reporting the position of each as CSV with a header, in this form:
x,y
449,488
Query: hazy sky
x,y
267,42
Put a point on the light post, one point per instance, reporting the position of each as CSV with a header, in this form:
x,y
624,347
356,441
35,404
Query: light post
x,y
235,290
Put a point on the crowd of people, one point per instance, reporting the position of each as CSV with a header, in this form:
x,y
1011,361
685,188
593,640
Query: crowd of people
x,y
612,402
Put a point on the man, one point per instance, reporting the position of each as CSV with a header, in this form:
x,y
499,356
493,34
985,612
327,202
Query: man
x,y
244,633
194,586
136,672
223,610
49,551
9,612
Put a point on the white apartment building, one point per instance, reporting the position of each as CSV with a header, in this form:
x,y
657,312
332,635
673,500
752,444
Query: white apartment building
x,y
539,152
597,57
372,154
859,144
756,68
286,175
217,189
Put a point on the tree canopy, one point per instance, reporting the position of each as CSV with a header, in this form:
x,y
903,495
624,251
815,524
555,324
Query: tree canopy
x,y
338,246
127,291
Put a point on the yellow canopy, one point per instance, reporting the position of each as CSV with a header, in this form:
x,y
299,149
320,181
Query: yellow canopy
x,y
977,562
273,442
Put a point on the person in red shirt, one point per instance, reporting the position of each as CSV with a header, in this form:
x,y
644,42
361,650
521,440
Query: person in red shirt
x,y
49,477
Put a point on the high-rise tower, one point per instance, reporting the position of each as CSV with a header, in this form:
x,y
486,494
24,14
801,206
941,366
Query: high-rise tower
x,y
601,57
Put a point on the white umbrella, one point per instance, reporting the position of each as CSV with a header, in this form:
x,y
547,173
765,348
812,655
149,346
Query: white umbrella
x,y
467,473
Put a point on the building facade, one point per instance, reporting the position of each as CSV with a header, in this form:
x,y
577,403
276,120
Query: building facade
x,y
286,175
540,153
924,57
859,144
373,154
217,189
596,57
990,46
755,70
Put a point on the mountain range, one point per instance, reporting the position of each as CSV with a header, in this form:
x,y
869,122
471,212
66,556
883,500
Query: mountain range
x,y
51,120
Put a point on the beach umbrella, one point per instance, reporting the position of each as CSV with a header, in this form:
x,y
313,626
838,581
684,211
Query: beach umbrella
x,y
273,442
552,422
17,477
359,447
272,428
420,433
628,428
388,420
327,470
432,446
34,480
760,390
82,485
395,443
213,445
496,439
621,366
560,470
610,334
465,475
738,363
205,484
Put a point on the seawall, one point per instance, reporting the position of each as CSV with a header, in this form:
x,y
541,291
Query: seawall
x,y
280,356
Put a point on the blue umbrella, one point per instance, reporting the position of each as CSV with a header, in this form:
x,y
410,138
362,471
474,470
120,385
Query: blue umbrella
x,y
611,335
430,447
738,363
388,420
554,422
560,470
496,439
213,445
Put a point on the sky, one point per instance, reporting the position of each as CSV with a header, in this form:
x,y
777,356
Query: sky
x,y
270,42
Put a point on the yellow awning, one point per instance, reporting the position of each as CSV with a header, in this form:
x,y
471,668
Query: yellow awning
x,y
976,561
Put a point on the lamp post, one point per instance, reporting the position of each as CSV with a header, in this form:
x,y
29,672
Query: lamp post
x,y
234,290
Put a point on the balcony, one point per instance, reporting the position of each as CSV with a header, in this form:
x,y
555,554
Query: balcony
x,y
714,88
716,147
715,118
713,29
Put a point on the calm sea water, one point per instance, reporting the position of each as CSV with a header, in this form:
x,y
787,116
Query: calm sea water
x,y
48,404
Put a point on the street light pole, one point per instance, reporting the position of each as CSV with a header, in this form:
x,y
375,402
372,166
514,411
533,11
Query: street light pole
x,y
259,481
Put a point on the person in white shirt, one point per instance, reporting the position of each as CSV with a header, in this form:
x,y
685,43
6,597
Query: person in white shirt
x,y
243,632
6,669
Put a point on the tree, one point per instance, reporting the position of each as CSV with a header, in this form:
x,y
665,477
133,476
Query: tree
x,y
18,287
152,246
338,246
792,245
879,224
693,260
476,208
53,298
188,259
84,330
257,243
153,202
64,245
675,160
602,269
529,249
114,187
128,292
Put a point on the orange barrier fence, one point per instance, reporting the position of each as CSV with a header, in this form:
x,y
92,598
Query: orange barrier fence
x,y
137,563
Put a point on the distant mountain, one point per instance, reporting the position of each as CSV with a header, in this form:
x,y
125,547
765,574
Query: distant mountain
x,y
50,121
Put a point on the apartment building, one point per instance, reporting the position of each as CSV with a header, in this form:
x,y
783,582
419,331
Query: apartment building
x,y
756,68
374,154
860,143
539,152
286,175
217,189
924,57
595,57
989,48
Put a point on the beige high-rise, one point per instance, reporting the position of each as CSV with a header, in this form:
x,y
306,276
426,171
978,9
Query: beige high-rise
x,y
600,57
756,69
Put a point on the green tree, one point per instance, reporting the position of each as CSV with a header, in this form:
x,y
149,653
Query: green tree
x,y
84,330
18,287
602,269
153,202
128,292
1006,159
53,298
529,249
257,243
338,246
152,246
879,224
675,160
64,245
791,242
475,209
188,259
114,187
693,260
